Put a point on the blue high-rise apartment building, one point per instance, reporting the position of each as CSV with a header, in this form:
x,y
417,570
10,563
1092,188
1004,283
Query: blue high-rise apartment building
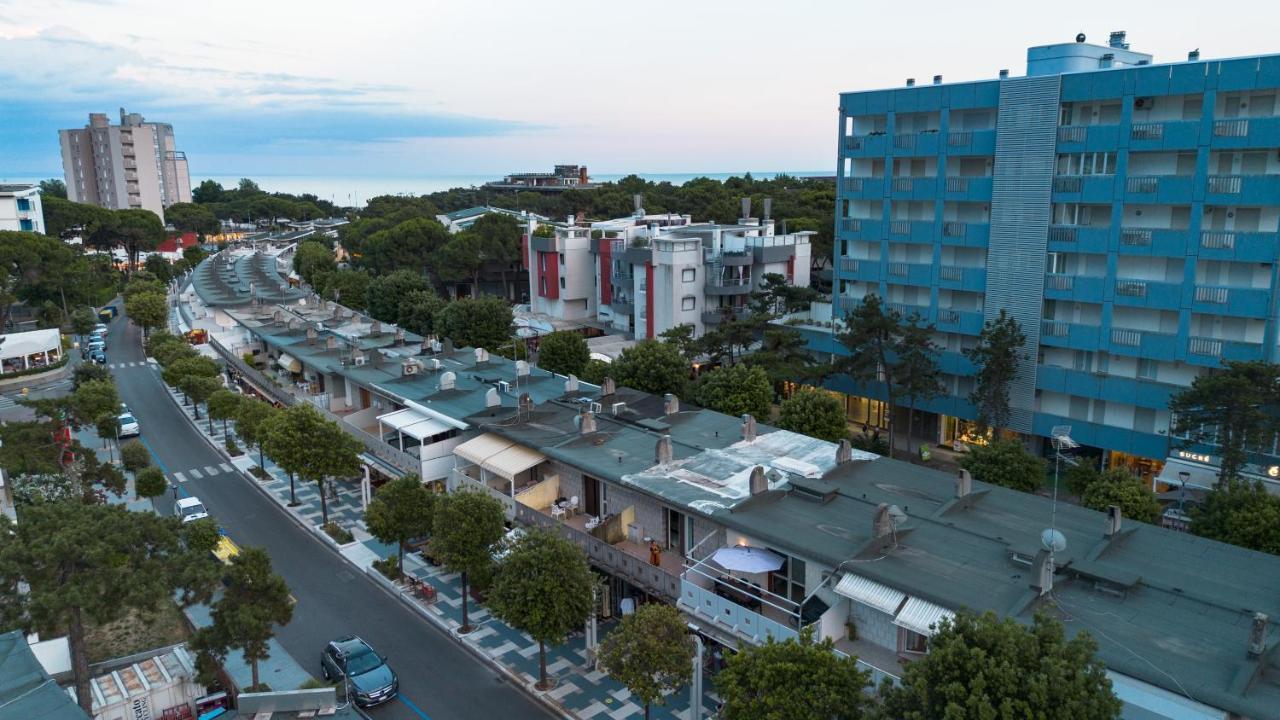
x,y
1124,212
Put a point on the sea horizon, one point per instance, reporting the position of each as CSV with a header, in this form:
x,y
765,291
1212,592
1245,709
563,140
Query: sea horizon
x,y
350,190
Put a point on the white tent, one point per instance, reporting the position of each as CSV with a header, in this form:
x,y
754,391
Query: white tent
x,y
19,351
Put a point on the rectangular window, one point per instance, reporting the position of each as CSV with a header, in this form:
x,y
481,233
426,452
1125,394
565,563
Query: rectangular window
x,y
1148,369
1083,360
688,275
562,259
561,283
688,302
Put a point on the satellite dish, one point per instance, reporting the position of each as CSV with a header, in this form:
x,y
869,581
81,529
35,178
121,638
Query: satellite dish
x,y
1080,37
1053,540
897,515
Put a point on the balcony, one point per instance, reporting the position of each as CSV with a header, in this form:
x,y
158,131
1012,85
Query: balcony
x,y
621,278
865,270
968,188
1243,189
972,142
622,307
1240,246
863,187
1232,301
495,487
1158,188
1079,238
1059,333
1170,135
1145,343
955,277
903,273
966,234
871,145
914,188
1148,293
1210,351
862,228
608,548
967,322
1246,133
1084,188
728,259
1080,288
920,231
917,143
728,285
1074,138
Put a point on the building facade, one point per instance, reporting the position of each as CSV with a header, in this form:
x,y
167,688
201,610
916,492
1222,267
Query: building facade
x,y
135,164
645,274
20,208
1125,213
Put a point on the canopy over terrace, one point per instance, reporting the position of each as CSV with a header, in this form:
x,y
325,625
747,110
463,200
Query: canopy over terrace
x,y
492,456
411,424
21,351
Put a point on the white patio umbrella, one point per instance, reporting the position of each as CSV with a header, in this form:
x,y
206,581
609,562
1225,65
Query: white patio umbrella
x,y
741,558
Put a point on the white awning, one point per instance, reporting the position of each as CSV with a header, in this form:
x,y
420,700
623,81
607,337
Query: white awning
x,y
413,424
481,448
289,362
498,455
1201,476
918,615
24,344
870,593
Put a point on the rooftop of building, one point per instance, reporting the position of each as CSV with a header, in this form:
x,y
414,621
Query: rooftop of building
x,y
480,210
26,690
232,278
18,189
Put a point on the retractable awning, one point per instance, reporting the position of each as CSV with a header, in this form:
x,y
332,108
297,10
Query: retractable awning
x,y
870,593
413,424
918,615
289,362
498,455
1201,476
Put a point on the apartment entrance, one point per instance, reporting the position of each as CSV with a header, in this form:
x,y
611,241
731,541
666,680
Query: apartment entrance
x,y
593,497
679,531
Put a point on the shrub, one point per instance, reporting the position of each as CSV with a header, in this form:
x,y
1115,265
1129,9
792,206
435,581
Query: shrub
x,y
232,448
150,482
135,456
388,567
338,533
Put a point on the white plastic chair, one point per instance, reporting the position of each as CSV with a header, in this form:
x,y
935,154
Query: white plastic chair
x,y
573,505
627,605
557,511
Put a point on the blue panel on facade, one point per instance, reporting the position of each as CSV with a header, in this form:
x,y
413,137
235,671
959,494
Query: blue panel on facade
x,y
1151,80
1188,78
1238,74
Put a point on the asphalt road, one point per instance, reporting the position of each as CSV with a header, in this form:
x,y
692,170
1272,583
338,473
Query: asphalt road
x,y
438,679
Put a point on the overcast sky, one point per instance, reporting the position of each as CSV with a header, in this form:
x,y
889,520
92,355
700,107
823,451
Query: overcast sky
x,y
420,87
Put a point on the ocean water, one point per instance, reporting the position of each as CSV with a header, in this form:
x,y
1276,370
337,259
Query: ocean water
x,y
351,190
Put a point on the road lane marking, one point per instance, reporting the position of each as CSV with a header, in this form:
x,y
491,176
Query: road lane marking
x,y
417,710
179,477
226,468
195,473
210,470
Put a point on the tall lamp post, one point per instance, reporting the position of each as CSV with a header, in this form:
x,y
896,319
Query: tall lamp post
x,y
1183,477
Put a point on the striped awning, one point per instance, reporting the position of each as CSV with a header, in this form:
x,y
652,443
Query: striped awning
x,y
921,616
498,455
870,593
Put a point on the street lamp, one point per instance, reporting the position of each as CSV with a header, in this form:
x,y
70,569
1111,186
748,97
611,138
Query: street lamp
x,y
1183,477
1060,436
695,684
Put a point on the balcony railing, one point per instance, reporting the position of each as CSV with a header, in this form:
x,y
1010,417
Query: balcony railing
x,y
948,317
1230,128
1147,131
1130,338
959,139
850,264
1135,237
1225,184
1131,288
1207,347
904,141
957,184
850,224
1062,234
953,229
461,479
728,281
852,142
1059,282
1214,295
1071,134
950,272
898,269
899,227
1142,184
1055,328
853,184
902,184
1068,184
1215,240
634,570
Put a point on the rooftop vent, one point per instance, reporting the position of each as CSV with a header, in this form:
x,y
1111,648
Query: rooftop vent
x,y
844,452
375,328
670,404
447,346
399,336
1117,40
1113,520
937,79
1004,73
331,343
758,483
1194,55
748,428
448,380
586,421
617,408
571,384
663,453
526,405
1258,635
522,368
882,523
964,483
911,82
1043,566
311,336
607,387
768,208
746,207
492,398
482,355
435,364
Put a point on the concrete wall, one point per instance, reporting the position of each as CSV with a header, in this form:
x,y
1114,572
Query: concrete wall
x,y
874,626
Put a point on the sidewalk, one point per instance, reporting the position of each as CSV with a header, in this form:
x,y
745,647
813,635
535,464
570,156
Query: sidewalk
x,y
581,691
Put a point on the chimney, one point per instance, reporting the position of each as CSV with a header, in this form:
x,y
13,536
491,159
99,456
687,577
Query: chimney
x,y
571,385
448,346
670,404
1117,40
882,523
911,82
482,355
758,483
331,343
1113,520
526,404
375,328
768,208
492,398
937,79
1004,73
1258,635
587,423
1043,564
664,454
399,336
844,452
746,207
748,428
607,387
964,483
1194,55
311,336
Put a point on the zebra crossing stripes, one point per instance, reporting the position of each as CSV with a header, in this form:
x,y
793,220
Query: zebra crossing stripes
x,y
210,470
226,468
7,402
195,473
179,477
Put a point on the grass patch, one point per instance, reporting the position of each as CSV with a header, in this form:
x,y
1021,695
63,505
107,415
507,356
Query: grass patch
x,y
259,473
137,631
388,567
232,448
339,534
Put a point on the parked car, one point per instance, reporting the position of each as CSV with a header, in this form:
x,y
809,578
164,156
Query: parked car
x,y
371,680
189,509
98,356
129,426
100,329
97,343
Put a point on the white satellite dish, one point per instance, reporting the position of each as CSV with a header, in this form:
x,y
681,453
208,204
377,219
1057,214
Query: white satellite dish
x,y
1053,540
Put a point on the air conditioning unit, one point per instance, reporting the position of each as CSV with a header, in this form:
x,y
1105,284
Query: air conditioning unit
x,y
1143,102
618,408
410,368
596,407
360,360
504,387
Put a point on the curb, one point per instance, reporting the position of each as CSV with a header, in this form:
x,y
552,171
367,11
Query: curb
x,y
325,541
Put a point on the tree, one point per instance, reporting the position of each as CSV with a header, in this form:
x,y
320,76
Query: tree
x,y
783,355
149,482
147,310
348,287
594,371
1000,350
478,323
311,257
418,311
1118,486
814,412
460,259
681,336
871,335
53,187
466,526
92,402
1234,408
192,217
305,443
1006,463
83,320
499,242
253,418
401,510
180,368
544,587
735,390
652,367
981,666
69,564
564,352
1241,513
793,680
255,600
86,372
158,266
650,652
199,388
136,230
209,191
916,366
223,405
135,456
386,293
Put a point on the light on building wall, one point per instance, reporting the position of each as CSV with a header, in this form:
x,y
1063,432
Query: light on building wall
x,y
1273,471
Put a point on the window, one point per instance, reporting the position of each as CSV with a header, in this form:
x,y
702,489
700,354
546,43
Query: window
x,y
1056,263
561,283
688,275
788,581
688,302
1148,369
562,258
912,642
1083,360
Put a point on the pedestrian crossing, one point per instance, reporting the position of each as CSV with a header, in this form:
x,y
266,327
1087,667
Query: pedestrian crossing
x,y
123,365
7,402
206,472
